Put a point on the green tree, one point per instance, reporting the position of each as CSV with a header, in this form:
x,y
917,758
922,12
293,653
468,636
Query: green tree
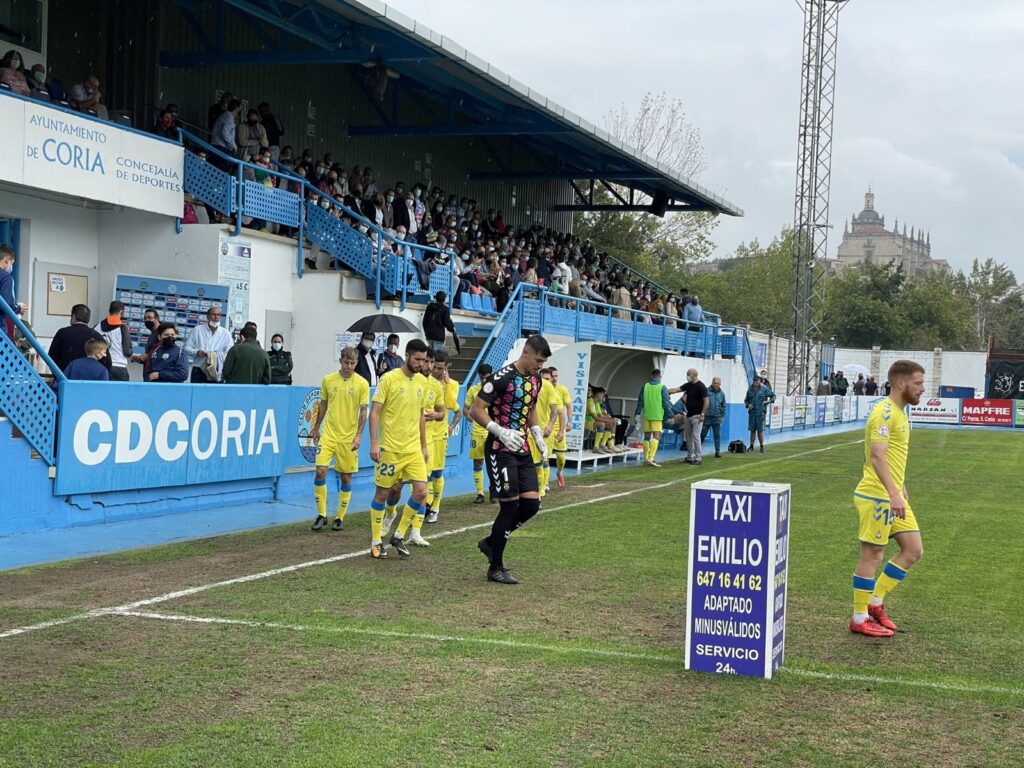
x,y
863,307
938,313
998,311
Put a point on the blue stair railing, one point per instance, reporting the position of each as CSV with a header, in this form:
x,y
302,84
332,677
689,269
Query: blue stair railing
x,y
233,195
25,398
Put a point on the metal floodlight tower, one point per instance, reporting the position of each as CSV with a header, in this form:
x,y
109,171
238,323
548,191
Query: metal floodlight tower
x,y
813,175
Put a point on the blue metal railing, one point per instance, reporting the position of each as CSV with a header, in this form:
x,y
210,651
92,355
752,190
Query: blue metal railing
x,y
25,398
375,270
748,357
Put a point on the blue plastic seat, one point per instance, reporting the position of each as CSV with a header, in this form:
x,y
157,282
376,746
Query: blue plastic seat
x,y
465,300
476,304
488,304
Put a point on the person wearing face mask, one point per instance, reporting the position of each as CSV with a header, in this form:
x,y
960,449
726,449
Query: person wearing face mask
x,y
85,96
150,319
37,82
208,344
168,362
367,364
7,287
12,75
388,210
419,207
90,367
389,360
118,338
251,136
166,126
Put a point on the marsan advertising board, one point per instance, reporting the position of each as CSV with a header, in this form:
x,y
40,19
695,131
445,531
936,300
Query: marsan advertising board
x,y
936,410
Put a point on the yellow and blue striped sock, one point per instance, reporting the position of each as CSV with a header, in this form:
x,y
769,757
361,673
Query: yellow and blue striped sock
x,y
862,589
891,577
412,514
320,496
376,521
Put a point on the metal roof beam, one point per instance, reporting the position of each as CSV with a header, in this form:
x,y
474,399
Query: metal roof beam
x,y
272,58
466,129
561,176
634,208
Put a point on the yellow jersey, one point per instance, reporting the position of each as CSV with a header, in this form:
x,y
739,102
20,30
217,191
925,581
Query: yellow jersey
x,y
548,397
471,393
402,399
566,398
887,424
451,402
343,398
436,430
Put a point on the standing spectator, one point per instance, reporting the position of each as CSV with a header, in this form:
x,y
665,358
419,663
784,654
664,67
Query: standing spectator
x,y
150,319
224,134
69,342
7,288
208,345
824,388
694,313
888,388
12,74
246,362
622,297
119,341
250,136
218,108
696,396
842,385
757,399
168,362
390,360
86,96
367,364
871,387
166,126
274,129
280,361
436,319
89,367
389,210
858,385
715,416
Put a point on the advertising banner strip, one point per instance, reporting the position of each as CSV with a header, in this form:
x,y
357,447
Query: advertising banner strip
x,y
985,412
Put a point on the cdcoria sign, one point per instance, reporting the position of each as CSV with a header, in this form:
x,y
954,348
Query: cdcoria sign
x,y
129,436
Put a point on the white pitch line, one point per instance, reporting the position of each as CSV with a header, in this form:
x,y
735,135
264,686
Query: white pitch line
x,y
897,680
520,644
562,649
362,552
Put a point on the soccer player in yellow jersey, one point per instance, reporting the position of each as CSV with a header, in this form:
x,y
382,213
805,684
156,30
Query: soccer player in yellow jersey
x,y
442,431
549,406
433,415
478,435
883,504
344,399
564,425
398,444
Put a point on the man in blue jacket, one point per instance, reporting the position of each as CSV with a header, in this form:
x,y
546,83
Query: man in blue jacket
x,y
715,415
757,400
7,288
168,362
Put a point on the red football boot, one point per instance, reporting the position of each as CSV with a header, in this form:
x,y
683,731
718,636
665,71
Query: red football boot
x,y
877,612
870,627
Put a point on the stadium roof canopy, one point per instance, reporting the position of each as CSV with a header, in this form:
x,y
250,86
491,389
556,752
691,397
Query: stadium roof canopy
x,y
468,96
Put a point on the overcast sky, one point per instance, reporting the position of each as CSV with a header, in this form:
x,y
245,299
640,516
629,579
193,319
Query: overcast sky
x,y
928,106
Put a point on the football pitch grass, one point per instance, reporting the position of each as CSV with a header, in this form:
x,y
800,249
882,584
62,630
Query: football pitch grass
x,y
421,662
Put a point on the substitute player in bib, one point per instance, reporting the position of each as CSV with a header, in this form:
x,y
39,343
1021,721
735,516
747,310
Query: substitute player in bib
x,y
653,402
559,439
344,399
478,435
398,444
507,408
883,505
549,406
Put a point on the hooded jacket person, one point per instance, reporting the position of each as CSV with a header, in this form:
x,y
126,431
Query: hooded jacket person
x,y
436,320
119,341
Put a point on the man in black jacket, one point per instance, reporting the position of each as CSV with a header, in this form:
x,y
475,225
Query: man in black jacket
x,y
367,365
436,319
69,342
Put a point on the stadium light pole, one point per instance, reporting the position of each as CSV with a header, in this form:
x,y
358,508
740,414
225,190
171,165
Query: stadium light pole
x,y
813,178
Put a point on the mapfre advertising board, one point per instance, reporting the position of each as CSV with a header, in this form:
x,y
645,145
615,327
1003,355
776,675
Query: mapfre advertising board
x,y
990,413
936,410
59,150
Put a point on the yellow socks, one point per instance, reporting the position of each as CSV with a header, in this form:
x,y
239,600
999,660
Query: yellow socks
x,y
654,447
344,497
560,461
862,589
891,577
478,480
376,521
438,488
647,450
320,495
409,514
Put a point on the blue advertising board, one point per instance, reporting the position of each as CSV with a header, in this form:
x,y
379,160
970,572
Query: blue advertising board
x,y
154,435
736,589
819,412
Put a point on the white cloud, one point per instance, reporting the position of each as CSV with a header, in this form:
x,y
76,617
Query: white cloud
x,y
927,110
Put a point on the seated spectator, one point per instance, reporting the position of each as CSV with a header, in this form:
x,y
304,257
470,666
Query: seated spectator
x,y
250,136
166,126
168,362
13,75
37,82
89,367
86,96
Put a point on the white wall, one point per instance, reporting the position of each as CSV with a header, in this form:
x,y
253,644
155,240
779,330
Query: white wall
x,y
942,367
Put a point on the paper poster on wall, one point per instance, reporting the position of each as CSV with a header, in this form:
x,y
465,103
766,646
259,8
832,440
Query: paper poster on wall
x,y
64,291
234,270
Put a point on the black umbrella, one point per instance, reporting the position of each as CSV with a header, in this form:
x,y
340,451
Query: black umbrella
x,y
383,324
